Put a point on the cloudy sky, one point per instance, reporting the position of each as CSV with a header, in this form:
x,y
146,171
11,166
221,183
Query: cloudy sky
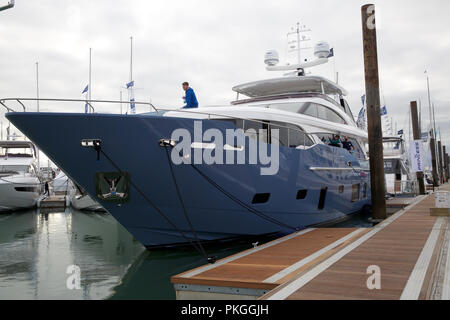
x,y
215,45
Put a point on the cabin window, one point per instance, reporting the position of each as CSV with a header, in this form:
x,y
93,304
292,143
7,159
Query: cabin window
x,y
326,113
310,110
283,135
301,194
257,126
341,189
289,135
261,198
322,198
296,107
27,189
364,192
355,192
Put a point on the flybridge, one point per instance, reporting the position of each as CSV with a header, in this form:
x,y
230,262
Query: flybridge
x,y
290,85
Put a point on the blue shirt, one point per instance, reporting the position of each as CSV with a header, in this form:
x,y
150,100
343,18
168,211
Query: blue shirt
x,y
191,99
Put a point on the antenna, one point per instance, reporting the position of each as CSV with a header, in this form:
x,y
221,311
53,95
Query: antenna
x,y
298,31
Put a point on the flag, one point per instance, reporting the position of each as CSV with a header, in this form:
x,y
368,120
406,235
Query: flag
x,y
85,89
361,118
130,84
384,111
331,53
132,106
400,133
363,99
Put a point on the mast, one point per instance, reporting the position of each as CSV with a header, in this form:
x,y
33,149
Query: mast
x,y
37,105
130,84
298,31
90,75
37,86
131,59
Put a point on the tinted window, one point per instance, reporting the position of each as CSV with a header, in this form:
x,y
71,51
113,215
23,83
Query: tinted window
x,y
283,138
328,114
257,126
310,109
296,107
291,135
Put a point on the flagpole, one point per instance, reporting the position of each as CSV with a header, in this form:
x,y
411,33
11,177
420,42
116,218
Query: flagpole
x,y
120,101
37,85
90,77
37,104
131,60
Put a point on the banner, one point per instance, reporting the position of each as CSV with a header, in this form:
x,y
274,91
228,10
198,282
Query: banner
x,y
416,151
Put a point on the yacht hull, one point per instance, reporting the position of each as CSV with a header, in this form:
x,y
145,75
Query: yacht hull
x,y
132,143
20,195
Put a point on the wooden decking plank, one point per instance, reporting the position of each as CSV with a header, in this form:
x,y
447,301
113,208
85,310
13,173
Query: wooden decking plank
x,y
395,249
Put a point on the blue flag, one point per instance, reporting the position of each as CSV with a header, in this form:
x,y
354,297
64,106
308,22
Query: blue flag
x,y
384,111
400,132
331,53
85,89
133,106
130,84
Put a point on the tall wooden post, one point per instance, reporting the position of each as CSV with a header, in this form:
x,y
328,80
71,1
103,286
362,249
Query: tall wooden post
x,y
417,136
441,169
377,179
433,159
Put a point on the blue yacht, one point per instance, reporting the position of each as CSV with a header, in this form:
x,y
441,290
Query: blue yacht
x,y
271,162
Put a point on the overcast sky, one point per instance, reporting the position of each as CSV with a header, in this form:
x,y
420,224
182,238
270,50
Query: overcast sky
x,y
215,45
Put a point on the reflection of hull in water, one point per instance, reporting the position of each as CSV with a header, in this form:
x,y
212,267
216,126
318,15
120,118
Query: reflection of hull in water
x,y
102,249
19,192
85,202
80,200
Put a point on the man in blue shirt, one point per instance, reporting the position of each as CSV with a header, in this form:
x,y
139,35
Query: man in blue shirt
x,y
190,98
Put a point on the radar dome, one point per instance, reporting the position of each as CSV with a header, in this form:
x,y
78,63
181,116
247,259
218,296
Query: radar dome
x,y
322,49
271,58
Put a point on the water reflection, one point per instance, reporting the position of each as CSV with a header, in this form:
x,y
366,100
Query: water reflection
x,y
36,248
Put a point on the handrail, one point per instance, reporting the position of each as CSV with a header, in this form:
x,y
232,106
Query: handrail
x,y
89,102
190,111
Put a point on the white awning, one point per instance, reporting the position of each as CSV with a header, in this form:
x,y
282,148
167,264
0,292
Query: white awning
x,y
290,85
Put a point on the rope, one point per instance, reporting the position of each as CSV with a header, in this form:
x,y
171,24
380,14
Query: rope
x,y
242,204
182,203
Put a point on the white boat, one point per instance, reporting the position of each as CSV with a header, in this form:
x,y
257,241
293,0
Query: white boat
x,y
80,200
399,179
20,184
60,184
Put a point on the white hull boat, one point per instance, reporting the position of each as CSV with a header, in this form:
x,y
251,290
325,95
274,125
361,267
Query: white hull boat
x,y
20,185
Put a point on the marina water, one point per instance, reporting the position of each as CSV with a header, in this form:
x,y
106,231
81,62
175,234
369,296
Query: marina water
x,y
36,249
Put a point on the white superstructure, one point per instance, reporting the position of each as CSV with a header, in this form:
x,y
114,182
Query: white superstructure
x,y
20,185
